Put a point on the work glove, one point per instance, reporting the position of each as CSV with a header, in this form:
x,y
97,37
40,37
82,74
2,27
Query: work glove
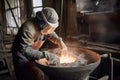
x,y
61,44
52,58
43,61
63,48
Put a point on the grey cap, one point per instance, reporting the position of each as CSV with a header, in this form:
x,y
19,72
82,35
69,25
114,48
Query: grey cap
x,y
50,16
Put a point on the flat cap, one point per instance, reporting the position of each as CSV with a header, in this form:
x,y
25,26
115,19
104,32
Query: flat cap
x,y
49,15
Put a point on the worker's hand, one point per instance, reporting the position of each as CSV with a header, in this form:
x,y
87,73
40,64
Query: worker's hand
x,y
52,58
43,61
62,45
63,50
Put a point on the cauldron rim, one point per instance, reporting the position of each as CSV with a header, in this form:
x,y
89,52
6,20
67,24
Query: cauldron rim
x,y
68,69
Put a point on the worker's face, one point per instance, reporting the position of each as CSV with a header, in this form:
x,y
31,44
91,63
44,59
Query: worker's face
x,y
47,30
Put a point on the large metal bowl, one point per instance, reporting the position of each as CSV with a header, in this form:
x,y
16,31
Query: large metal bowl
x,y
73,73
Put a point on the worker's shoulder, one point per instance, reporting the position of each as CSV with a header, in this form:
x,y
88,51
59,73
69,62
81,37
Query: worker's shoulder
x,y
29,25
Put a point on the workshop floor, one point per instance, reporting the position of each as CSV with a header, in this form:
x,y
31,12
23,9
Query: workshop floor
x,y
5,77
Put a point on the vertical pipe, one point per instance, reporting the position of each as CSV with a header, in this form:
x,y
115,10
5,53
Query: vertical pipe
x,y
61,15
111,75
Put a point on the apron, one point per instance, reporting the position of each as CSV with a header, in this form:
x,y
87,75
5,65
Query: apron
x,y
26,69
22,73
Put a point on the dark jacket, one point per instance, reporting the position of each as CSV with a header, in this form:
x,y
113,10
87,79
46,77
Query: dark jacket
x,y
22,50
28,33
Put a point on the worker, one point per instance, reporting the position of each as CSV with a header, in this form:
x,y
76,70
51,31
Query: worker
x,y
26,48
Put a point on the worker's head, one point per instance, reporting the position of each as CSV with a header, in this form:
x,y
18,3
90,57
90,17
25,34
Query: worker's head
x,y
48,19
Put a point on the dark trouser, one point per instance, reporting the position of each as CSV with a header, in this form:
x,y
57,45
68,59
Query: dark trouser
x,y
26,69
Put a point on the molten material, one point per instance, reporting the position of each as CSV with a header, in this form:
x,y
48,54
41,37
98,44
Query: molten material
x,y
67,58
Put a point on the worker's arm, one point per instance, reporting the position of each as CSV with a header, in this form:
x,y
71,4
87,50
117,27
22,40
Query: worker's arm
x,y
28,51
26,42
53,37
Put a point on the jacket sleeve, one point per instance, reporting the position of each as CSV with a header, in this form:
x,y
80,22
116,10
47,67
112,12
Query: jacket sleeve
x,y
29,52
26,42
53,37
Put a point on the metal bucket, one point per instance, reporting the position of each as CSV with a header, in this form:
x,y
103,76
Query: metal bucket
x,y
73,73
